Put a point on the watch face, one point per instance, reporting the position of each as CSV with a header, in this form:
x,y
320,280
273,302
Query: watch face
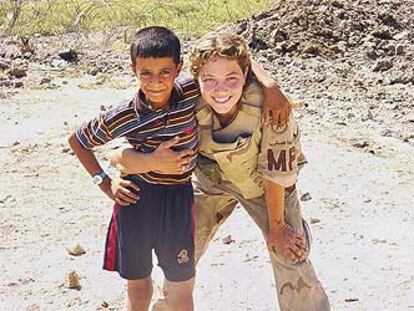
x,y
97,179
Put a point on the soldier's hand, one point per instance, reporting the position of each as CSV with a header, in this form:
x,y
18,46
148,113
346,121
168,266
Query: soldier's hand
x,y
120,190
276,107
167,161
288,242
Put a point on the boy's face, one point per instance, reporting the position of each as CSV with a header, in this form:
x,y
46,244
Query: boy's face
x,y
157,77
221,84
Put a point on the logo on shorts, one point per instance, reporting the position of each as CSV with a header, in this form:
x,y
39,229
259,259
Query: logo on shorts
x,y
183,257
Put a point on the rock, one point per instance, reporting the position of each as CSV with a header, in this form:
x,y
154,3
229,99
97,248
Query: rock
x,y
11,84
314,221
33,307
228,240
306,197
72,280
76,251
94,71
382,33
370,114
336,49
386,133
361,144
351,299
69,55
4,65
378,241
399,50
17,72
383,65
351,115
66,150
257,44
45,80
27,55
8,199
311,49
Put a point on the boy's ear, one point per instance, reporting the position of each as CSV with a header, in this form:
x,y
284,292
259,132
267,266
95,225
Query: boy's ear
x,y
134,69
180,66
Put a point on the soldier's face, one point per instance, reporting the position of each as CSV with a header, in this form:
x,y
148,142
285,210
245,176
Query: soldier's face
x,y
221,84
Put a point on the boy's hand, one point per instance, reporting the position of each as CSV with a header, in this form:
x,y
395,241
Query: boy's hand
x,y
120,191
167,161
287,242
276,107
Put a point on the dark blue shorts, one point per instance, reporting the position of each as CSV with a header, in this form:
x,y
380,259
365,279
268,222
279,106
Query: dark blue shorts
x,y
162,220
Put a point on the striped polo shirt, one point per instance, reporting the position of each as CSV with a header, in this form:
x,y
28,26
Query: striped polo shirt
x,y
146,128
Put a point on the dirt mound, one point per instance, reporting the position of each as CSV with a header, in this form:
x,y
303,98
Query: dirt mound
x,y
379,31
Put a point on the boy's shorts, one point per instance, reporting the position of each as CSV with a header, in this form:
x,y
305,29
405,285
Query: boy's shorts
x,y
161,220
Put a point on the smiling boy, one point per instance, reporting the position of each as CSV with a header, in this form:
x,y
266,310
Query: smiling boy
x,y
162,219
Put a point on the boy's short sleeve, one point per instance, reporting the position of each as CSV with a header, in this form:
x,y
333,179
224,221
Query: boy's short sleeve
x,y
104,128
187,84
281,154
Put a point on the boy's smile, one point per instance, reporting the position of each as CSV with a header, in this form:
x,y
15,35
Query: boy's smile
x,y
157,76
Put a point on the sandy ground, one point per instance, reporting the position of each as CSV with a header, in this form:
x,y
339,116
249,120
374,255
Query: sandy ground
x,y
360,212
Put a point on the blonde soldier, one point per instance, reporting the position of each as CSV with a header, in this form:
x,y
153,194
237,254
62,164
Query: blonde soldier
x,y
242,162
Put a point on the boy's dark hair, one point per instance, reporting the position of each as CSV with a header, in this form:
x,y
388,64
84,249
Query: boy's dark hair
x,y
155,41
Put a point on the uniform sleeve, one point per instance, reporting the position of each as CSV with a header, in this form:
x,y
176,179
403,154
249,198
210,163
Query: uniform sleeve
x,y
104,128
281,154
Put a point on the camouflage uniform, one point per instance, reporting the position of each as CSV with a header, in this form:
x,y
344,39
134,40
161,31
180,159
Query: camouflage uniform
x,y
232,162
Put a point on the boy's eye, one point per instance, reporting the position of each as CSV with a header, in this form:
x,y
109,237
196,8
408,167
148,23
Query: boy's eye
x,y
144,74
165,73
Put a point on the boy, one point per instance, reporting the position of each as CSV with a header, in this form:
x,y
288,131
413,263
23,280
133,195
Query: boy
x,y
162,219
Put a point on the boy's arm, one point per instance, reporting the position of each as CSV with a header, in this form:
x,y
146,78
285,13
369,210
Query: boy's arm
x,y
116,190
281,237
162,160
276,106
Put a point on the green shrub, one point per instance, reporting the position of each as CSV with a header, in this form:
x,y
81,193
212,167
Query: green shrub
x,y
189,17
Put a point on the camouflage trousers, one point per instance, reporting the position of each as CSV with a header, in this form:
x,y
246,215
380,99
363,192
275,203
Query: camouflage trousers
x,y
298,288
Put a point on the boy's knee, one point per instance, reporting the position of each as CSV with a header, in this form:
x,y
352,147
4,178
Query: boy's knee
x,y
139,294
180,295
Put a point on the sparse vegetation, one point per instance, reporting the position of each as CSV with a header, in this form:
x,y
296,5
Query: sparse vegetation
x,y
189,17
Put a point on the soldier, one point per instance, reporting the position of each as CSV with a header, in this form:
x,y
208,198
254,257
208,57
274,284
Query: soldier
x,y
243,162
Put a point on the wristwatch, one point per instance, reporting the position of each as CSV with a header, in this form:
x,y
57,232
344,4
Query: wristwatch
x,y
98,179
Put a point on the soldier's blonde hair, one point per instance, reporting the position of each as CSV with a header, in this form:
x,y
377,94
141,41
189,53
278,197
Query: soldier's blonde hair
x,y
223,44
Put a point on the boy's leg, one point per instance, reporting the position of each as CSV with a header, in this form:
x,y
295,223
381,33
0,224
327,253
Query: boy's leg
x,y
129,246
180,295
174,245
139,294
298,287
